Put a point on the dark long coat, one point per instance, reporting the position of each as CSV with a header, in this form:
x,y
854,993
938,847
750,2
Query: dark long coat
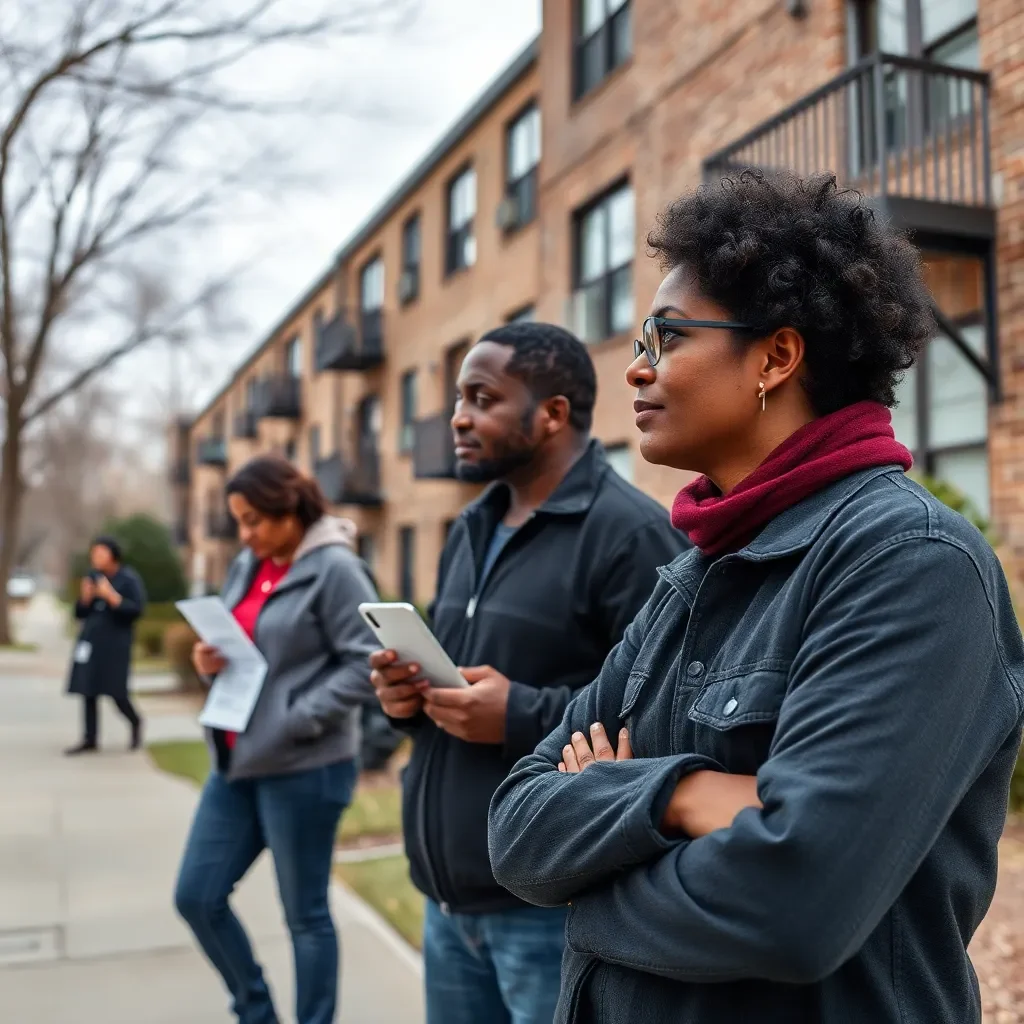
x,y
109,632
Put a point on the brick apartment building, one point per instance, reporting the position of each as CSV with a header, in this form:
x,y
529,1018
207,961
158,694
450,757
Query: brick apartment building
x,y
536,204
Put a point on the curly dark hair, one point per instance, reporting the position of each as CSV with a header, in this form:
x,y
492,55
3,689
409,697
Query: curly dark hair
x,y
783,251
550,361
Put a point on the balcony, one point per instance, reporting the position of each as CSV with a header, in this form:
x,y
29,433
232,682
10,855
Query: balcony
x,y
220,525
353,481
911,135
342,345
433,450
245,425
278,397
212,451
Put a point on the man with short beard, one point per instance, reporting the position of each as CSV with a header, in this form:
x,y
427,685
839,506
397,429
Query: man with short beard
x,y
537,582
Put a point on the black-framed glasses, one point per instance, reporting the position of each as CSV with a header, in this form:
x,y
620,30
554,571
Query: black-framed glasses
x,y
649,344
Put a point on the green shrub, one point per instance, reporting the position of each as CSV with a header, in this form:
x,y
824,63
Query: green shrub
x,y
178,643
957,501
161,611
149,638
147,547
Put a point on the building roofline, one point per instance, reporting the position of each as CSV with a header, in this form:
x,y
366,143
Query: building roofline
x,y
519,66
451,138
293,311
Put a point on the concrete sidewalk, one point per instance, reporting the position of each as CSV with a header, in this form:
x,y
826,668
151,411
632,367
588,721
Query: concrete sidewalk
x,y
88,853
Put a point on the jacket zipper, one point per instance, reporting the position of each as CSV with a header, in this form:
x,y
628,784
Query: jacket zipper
x,y
421,809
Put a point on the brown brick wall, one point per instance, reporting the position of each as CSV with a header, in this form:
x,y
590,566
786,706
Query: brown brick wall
x,y
702,73
1001,31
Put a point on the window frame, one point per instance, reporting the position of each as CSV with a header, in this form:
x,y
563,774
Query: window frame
x,y
455,238
860,24
604,36
376,260
414,219
407,392
293,344
614,447
523,190
314,443
407,563
606,279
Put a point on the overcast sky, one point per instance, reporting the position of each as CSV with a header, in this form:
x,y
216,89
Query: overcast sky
x,y
377,105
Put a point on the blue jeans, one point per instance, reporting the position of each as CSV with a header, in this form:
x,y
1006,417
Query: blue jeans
x,y
296,817
500,968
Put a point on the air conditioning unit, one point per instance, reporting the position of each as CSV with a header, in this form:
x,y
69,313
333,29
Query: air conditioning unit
x,y
408,285
508,213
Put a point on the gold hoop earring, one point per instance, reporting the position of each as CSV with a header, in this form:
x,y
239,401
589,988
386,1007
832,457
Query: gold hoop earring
x,y
761,393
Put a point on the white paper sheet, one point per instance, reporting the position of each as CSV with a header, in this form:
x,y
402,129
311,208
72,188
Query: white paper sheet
x,y
236,689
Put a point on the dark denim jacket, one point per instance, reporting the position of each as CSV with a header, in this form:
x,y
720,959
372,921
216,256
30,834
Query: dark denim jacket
x,y
862,657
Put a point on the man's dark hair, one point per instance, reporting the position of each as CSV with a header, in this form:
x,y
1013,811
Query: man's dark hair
x,y
110,543
780,251
550,361
275,488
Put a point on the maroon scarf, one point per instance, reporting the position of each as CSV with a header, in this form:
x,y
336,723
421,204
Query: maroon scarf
x,y
818,454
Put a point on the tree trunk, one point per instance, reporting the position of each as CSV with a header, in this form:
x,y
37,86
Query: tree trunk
x,y
11,493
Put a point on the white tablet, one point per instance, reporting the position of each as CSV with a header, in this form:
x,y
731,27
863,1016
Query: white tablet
x,y
399,628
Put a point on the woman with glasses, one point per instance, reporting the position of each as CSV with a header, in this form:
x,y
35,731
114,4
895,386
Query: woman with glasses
x,y
781,799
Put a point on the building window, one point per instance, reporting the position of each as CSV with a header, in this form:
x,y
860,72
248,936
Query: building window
x,y
942,415
522,147
314,445
604,40
620,458
521,316
289,451
407,427
409,283
407,564
371,286
251,390
603,298
943,31
293,358
367,549
460,247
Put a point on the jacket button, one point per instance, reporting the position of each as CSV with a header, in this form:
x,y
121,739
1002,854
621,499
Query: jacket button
x,y
730,706
695,668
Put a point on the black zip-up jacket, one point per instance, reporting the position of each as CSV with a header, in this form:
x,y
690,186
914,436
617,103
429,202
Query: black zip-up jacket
x,y
557,600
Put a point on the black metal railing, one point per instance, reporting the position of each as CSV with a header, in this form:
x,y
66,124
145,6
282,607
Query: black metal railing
x,y
351,481
278,397
245,425
220,525
344,345
212,451
433,450
888,126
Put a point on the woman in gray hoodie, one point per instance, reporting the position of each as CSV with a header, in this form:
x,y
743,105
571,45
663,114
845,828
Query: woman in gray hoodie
x,y
283,782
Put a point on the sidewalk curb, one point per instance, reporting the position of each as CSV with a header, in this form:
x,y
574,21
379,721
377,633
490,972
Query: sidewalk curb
x,y
369,917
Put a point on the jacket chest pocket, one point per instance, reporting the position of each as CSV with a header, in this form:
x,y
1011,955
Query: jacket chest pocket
x,y
733,718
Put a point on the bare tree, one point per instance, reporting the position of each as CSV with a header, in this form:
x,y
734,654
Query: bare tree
x,y
123,126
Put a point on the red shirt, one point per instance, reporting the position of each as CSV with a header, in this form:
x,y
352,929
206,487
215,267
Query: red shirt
x,y
247,611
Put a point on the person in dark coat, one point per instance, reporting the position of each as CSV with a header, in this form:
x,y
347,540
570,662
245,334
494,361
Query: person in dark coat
x,y
110,600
